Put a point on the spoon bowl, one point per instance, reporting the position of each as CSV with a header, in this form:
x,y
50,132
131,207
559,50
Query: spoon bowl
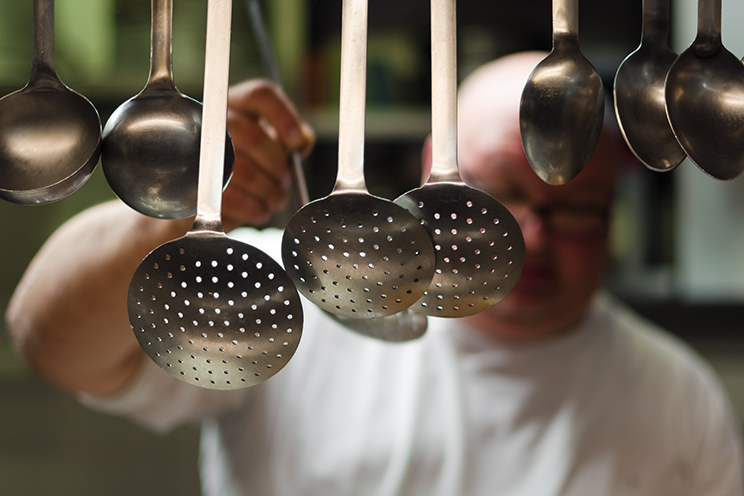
x,y
640,104
562,105
704,92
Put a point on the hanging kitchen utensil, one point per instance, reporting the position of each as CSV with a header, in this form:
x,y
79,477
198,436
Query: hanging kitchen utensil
x,y
562,106
352,253
402,326
210,310
150,151
50,136
479,246
640,105
703,90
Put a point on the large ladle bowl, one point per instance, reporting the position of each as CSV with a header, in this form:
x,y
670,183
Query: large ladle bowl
x,y
150,152
50,135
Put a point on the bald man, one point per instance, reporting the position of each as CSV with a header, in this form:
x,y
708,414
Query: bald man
x,y
556,390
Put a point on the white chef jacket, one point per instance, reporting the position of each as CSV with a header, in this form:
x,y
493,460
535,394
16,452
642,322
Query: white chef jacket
x,y
613,407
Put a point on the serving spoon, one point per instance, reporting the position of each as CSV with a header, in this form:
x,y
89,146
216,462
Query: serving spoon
x,y
50,135
150,151
208,309
562,105
704,90
640,104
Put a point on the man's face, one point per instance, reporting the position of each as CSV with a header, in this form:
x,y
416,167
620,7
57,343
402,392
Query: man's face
x,y
564,229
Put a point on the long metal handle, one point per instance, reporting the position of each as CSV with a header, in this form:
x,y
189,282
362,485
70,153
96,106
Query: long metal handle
x,y
565,20
42,68
214,117
161,43
352,90
299,185
708,40
656,22
444,91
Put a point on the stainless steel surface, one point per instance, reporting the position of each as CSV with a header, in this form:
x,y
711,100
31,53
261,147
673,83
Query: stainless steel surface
x,y
352,253
704,90
210,310
640,104
562,104
150,151
402,326
50,136
478,243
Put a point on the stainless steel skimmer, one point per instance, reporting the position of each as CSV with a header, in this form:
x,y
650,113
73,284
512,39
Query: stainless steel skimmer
x,y
210,310
479,246
352,253
403,326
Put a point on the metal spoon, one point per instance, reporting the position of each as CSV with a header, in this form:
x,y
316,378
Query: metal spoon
x,y
640,105
150,152
404,325
208,309
352,253
562,106
50,136
704,90
479,246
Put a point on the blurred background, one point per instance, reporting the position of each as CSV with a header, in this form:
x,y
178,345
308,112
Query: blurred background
x,y
677,236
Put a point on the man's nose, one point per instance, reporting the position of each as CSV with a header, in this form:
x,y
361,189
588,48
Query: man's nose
x,y
534,231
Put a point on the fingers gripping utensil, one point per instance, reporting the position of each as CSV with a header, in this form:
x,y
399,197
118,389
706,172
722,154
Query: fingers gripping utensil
x,y
640,104
562,105
50,136
299,185
402,326
352,253
703,90
210,310
479,246
150,150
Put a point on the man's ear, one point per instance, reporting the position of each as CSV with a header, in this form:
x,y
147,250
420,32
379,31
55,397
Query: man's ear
x,y
426,160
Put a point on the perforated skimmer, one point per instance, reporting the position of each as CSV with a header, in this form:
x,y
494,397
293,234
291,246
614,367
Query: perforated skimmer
x,y
352,253
210,310
479,245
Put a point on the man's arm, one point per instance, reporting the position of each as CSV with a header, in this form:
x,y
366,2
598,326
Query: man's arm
x,y
68,316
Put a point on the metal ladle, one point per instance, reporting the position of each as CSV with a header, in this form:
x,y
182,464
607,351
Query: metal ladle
x,y
210,310
404,325
562,105
50,136
479,245
352,253
640,105
150,151
704,90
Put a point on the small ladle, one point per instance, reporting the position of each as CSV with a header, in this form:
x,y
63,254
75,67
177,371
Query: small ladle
x,y
50,135
210,310
479,245
562,105
640,105
352,253
704,90
150,151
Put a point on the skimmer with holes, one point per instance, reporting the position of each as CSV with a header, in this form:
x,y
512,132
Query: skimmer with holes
x,y
479,246
211,310
352,253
